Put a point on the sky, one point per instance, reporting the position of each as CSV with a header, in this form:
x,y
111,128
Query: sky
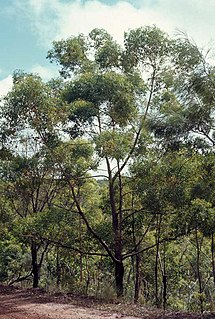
x,y
28,27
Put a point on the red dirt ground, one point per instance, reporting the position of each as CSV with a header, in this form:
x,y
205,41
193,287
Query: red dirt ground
x,y
35,304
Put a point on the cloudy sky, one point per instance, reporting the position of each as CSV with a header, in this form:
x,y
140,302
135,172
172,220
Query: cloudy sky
x,y
28,27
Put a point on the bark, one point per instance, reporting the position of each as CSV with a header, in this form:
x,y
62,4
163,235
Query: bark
x,y
58,269
164,291
119,275
199,275
156,276
137,279
117,231
119,266
137,260
35,266
158,231
213,256
164,279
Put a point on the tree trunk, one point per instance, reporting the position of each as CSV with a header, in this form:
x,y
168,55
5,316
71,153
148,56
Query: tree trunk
x,y
117,230
199,276
35,267
119,267
157,300
213,256
137,260
119,275
137,279
164,291
58,269
164,278
156,270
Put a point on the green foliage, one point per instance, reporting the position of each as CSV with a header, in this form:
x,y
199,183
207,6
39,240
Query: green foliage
x,y
107,51
94,91
71,54
186,54
145,111
146,45
75,157
114,145
13,259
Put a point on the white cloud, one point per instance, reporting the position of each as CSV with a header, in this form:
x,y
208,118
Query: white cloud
x,y
191,16
116,19
6,85
55,19
46,73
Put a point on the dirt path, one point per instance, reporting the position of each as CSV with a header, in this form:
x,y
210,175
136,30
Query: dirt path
x,y
34,304
31,304
23,304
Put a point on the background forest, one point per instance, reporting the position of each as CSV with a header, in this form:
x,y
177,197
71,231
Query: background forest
x,y
107,173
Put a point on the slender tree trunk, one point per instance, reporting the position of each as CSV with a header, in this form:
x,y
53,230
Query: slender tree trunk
x,y
116,223
58,269
213,256
199,277
137,279
119,267
88,279
119,275
157,299
156,275
35,267
81,244
164,279
137,260
164,291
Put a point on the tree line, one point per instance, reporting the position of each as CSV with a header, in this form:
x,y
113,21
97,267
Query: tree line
x,y
107,172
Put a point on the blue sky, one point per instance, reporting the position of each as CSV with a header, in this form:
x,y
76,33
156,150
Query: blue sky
x,y
19,46
28,27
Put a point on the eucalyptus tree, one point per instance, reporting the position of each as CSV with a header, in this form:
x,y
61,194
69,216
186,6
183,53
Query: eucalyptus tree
x,y
29,187
186,105
110,93
110,98
186,120
200,220
102,105
29,177
163,182
39,163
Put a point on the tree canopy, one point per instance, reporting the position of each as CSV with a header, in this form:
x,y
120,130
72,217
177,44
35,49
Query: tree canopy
x,y
107,172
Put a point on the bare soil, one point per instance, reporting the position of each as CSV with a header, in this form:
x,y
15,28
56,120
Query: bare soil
x,y
36,304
